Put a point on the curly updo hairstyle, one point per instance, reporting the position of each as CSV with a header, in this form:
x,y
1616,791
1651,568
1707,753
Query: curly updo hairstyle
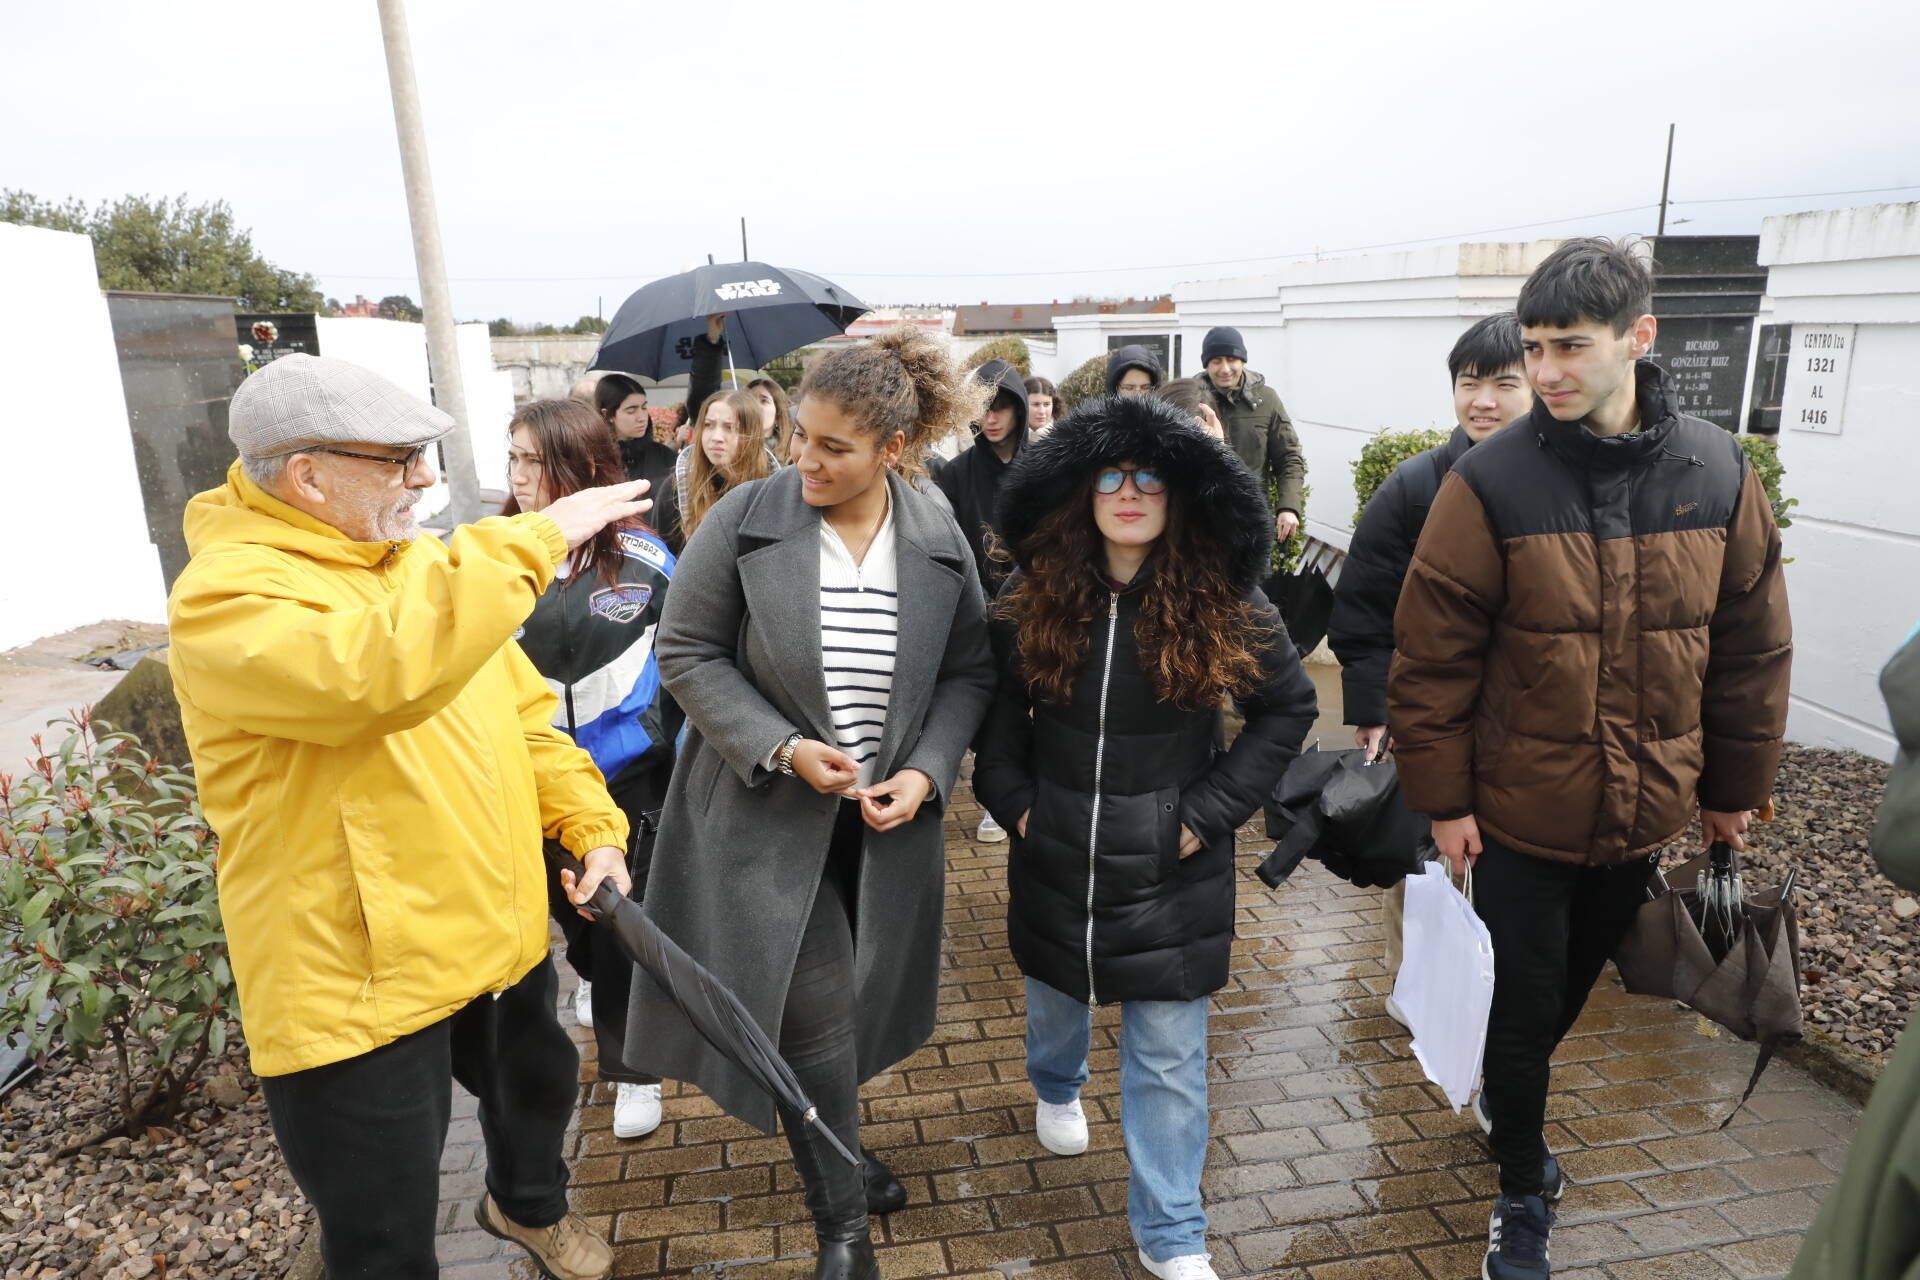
x,y
905,380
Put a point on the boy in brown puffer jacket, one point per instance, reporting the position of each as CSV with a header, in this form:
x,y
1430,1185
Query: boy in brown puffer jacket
x,y
1592,642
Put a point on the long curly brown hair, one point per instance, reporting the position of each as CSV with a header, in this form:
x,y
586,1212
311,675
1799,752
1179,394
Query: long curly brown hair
x,y
1199,640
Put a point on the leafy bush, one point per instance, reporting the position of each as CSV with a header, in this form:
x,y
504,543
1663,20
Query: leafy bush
x,y
110,933
1286,555
1012,349
1764,454
1084,383
1381,454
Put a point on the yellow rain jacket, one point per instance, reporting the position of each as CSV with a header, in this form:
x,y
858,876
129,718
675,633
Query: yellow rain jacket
x,y
379,760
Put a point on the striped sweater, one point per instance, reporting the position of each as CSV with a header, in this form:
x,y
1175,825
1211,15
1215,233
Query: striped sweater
x,y
859,628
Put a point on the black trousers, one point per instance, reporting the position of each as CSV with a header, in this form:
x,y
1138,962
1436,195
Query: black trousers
x,y
363,1137
592,952
1554,926
817,1037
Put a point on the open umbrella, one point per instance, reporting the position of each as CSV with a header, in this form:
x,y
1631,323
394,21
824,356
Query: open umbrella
x,y
715,1012
1730,956
772,310
1347,811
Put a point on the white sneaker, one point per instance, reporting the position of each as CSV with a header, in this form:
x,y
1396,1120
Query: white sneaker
x,y
583,1004
1061,1127
989,831
1394,1012
636,1110
1188,1266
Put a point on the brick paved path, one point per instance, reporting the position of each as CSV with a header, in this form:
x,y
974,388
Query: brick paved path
x,y
1330,1158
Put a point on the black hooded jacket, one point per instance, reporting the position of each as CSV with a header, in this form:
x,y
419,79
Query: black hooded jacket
x,y
1102,906
1132,357
1361,630
972,480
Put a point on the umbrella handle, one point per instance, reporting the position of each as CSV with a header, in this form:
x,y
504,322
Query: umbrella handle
x,y
606,895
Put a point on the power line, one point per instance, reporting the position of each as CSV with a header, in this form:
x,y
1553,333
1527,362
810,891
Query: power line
x,y
1170,266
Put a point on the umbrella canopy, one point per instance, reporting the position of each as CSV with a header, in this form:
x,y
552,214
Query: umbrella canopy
x,y
715,1012
1347,812
1305,602
1751,987
771,310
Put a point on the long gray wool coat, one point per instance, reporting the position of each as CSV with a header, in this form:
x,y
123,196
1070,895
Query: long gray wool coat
x,y
741,850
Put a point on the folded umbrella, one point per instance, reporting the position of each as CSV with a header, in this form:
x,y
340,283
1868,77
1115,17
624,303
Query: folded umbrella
x,y
772,311
1345,810
715,1012
1730,956
1305,602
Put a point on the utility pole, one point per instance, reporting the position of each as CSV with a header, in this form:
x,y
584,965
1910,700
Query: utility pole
x,y
1666,176
744,255
430,263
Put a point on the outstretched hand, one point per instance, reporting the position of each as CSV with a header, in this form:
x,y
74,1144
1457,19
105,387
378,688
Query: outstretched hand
x,y
581,515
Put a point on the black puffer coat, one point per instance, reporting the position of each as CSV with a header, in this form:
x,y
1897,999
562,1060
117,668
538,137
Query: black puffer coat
x,y
1103,907
1361,629
972,481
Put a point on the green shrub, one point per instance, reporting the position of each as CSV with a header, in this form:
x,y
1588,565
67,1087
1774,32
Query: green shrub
x,y
1286,555
1012,349
110,933
1381,454
1084,383
1764,454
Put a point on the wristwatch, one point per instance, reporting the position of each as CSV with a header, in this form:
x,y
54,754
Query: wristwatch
x,y
783,758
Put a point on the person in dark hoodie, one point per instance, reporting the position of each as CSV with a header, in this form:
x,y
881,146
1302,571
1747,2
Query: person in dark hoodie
x,y
1258,428
972,479
1133,371
1134,614
1489,391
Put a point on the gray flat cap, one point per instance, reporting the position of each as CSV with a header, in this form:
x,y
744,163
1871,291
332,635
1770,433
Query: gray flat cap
x,y
300,402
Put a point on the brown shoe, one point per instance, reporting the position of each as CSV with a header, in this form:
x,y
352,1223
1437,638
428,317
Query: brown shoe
x,y
567,1250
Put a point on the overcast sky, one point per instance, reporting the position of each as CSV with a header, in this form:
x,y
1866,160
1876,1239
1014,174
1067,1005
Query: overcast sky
x,y
959,153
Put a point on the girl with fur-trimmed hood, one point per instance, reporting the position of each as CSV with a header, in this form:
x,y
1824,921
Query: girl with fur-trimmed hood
x,y
1134,612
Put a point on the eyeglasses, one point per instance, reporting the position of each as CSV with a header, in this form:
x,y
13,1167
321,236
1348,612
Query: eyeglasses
x,y
405,461
1144,481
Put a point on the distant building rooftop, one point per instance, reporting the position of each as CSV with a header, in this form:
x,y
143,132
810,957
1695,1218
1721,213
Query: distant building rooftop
x,y
1037,317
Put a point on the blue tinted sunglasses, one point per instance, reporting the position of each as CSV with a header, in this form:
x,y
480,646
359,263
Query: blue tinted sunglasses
x,y
1145,480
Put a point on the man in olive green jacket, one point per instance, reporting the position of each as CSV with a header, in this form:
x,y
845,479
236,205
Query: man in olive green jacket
x,y
1258,428
1867,1229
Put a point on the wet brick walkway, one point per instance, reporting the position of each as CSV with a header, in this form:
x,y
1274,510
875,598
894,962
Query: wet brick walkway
x,y
1330,1158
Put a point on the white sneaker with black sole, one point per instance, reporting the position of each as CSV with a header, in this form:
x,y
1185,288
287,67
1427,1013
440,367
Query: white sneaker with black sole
x,y
636,1110
1061,1127
1188,1266
583,1004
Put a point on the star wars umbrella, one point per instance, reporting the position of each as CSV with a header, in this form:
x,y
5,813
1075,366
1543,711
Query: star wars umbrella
x,y
771,311
1734,957
1347,811
715,1012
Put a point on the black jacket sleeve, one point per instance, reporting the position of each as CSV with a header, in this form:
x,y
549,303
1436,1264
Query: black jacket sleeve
x,y
1278,714
665,516
709,358
1003,774
1361,630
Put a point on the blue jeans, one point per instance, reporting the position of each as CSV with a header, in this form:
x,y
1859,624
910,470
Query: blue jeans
x,y
1163,1103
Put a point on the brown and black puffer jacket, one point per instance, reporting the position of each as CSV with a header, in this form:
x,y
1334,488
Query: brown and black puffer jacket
x,y
1593,636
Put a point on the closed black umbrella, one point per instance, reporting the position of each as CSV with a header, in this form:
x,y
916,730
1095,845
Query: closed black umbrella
x,y
715,1012
1347,811
772,311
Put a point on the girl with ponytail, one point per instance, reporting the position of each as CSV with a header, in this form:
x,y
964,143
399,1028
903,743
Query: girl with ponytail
x,y
826,638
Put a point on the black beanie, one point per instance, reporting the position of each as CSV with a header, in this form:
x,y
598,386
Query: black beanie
x,y
1223,340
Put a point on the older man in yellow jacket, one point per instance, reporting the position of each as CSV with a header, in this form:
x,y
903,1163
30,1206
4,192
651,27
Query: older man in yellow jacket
x,y
379,759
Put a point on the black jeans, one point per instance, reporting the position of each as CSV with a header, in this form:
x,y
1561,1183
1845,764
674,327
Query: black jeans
x,y
817,1037
592,951
1554,926
363,1137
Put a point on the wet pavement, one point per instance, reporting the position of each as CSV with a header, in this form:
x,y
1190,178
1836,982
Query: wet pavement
x,y
1330,1158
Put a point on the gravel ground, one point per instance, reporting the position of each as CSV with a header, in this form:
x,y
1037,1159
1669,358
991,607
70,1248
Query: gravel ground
x,y
207,1198
1860,932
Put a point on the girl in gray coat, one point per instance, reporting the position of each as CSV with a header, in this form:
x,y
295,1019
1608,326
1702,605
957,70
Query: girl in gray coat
x,y
826,638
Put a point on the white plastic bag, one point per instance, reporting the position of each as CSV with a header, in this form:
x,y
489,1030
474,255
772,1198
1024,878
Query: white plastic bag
x,y
1445,985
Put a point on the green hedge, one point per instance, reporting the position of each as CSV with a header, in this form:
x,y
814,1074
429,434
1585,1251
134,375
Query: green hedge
x,y
1381,454
1012,349
1764,454
1084,383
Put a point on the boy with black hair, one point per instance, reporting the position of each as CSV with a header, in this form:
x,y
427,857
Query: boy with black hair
x,y
1489,391
1591,643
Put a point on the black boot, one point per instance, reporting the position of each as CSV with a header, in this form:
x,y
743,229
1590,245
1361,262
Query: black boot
x,y
884,1192
835,1200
